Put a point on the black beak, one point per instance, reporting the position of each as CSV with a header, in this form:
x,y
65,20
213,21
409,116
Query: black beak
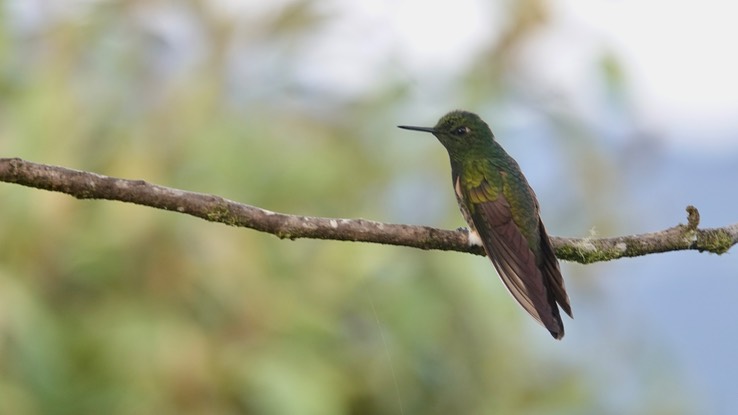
x,y
424,129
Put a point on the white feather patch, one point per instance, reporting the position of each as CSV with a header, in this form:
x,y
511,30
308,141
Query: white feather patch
x,y
474,238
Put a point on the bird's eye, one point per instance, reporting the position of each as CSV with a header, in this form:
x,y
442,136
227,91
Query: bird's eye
x,y
461,130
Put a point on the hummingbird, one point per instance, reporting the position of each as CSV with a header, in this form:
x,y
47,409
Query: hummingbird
x,y
503,215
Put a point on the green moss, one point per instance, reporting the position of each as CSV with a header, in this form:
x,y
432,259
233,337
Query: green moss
x,y
285,235
586,253
717,241
222,214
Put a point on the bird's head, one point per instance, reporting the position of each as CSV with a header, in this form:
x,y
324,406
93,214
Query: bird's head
x,y
461,132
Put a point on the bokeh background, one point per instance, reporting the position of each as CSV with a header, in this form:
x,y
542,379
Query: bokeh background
x,y
621,113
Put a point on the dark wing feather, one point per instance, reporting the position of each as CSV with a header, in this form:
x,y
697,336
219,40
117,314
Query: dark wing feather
x,y
515,262
550,269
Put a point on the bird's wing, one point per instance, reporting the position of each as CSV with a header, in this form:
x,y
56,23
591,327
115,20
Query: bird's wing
x,y
511,254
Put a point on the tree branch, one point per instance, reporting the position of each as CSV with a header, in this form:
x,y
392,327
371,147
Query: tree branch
x,y
86,185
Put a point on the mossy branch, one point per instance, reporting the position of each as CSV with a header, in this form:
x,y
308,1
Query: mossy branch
x,y
86,185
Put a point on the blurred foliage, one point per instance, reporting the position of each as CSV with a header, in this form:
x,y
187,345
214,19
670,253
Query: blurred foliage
x,y
119,309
